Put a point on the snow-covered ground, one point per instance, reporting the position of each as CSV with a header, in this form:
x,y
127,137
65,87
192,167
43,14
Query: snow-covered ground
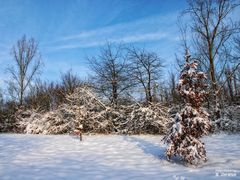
x,y
111,157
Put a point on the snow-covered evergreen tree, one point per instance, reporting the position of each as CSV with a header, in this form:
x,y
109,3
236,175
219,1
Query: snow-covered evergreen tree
x,y
192,122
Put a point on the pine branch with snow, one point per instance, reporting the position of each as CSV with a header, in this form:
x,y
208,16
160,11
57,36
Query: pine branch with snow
x,y
192,122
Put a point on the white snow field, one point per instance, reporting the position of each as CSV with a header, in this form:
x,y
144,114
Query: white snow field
x,y
111,157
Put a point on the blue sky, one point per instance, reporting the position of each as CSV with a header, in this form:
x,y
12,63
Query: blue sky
x,y
70,30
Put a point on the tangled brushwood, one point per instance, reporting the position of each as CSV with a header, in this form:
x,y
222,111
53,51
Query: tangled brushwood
x,y
229,121
98,117
192,122
86,109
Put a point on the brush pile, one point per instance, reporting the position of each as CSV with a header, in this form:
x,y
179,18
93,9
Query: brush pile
x,y
86,109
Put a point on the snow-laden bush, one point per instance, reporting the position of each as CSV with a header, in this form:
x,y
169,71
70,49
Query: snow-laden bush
x,y
152,120
173,110
53,122
97,117
229,121
86,109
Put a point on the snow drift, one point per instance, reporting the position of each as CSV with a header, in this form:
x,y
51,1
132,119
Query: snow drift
x,y
111,157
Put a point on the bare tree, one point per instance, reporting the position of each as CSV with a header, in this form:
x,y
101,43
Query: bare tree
x,y
70,81
237,47
1,101
213,29
27,65
237,72
229,80
172,87
145,69
110,78
38,97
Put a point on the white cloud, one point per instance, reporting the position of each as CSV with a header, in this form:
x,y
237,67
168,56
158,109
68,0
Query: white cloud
x,y
125,39
136,26
148,29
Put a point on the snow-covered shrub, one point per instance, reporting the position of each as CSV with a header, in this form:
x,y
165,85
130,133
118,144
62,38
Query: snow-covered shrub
x,y
89,111
86,109
152,119
174,110
96,117
229,121
192,122
53,122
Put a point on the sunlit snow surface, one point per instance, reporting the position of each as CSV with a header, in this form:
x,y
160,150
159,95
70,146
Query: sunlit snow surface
x,y
111,157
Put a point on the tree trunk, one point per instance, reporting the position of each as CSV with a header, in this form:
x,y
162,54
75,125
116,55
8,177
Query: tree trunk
x,y
214,85
114,95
